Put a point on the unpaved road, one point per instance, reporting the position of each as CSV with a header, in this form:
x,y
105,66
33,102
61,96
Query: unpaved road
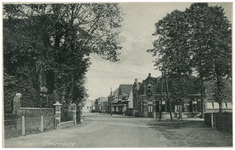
x,y
103,130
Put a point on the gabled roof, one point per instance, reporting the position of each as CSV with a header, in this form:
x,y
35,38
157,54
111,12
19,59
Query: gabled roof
x,y
114,93
151,78
126,88
102,99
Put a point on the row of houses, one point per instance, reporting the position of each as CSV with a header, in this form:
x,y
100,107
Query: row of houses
x,y
146,99
99,105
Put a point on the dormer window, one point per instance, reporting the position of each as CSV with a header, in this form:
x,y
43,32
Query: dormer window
x,y
149,85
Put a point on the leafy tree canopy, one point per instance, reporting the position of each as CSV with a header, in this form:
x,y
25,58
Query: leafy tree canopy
x,y
195,40
49,44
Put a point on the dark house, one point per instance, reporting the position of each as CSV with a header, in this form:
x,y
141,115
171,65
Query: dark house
x,y
147,99
120,98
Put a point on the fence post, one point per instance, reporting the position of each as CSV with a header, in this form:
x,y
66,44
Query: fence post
x,y
41,123
57,113
74,113
23,125
212,122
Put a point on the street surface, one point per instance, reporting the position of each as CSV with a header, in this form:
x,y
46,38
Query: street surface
x,y
103,130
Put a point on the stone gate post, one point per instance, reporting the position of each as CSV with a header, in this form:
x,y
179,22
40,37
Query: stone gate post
x,y
57,113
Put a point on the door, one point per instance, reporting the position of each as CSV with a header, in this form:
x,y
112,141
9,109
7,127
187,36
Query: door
x,y
150,110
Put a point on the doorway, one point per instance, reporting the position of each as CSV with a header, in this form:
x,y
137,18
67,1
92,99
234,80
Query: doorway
x,y
150,110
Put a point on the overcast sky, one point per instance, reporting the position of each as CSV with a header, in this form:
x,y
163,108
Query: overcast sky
x,y
136,37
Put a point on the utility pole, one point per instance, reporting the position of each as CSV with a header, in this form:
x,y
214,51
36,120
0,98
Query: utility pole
x,y
161,99
111,97
163,67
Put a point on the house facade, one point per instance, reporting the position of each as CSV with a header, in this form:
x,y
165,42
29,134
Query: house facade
x,y
101,104
148,100
120,98
87,106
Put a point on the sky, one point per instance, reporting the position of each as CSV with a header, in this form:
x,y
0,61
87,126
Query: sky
x,y
135,37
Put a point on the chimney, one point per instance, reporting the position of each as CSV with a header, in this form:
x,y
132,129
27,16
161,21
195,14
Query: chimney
x,y
149,74
135,80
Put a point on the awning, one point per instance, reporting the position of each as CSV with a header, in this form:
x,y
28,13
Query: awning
x,y
122,105
209,105
216,105
229,105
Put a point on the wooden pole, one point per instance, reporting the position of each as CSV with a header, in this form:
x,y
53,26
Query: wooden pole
x,y
23,125
41,123
74,114
111,98
212,122
160,116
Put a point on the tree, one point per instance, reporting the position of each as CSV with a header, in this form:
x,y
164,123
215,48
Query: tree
x,y
210,37
172,50
199,39
62,36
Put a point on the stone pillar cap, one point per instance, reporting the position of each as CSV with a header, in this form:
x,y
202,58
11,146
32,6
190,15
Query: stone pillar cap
x,y
57,104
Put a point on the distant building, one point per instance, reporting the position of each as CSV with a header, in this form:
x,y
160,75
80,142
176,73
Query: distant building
x,y
88,106
101,104
114,97
130,106
121,98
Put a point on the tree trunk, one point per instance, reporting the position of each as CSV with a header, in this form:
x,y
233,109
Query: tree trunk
x,y
220,107
160,116
180,111
202,106
219,93
202,98
72,87
167,90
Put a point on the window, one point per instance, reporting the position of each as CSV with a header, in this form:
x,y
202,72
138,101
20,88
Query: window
x,y
194,106
163,109
149,86
150,108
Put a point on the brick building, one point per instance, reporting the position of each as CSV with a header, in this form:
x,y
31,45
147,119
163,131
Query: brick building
x,y
147,100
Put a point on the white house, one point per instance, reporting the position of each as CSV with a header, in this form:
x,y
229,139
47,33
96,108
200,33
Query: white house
x,y
87,107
